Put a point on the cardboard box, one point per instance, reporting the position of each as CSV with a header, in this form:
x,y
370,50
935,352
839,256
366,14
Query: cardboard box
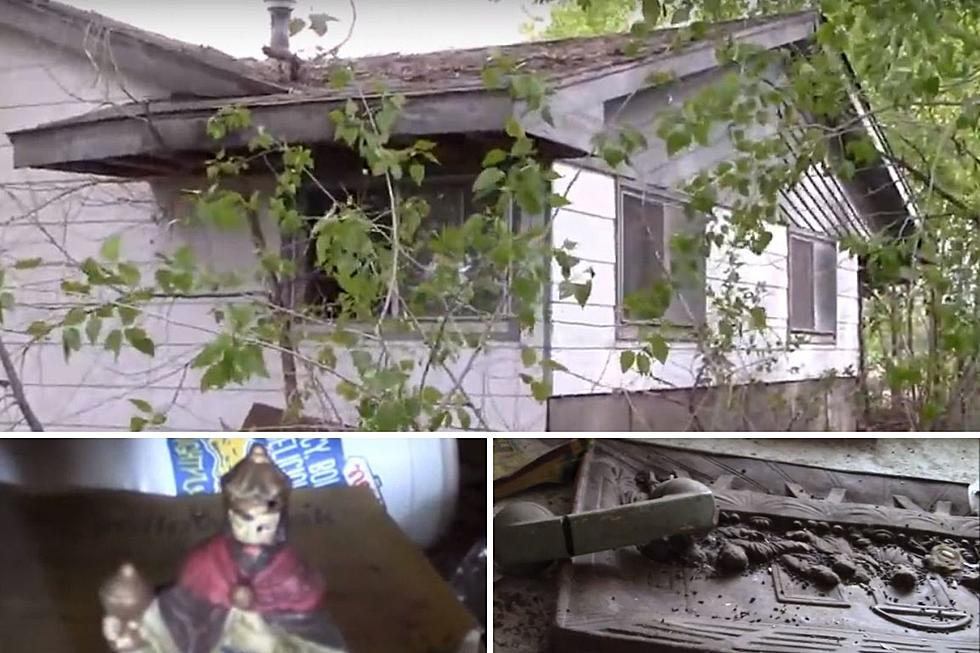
x,y
56,550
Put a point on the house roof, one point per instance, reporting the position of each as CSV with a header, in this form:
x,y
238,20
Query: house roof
x,y
157,56
560,61
445,90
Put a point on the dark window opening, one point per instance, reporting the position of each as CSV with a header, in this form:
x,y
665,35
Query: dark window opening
x,y
451,204
661,246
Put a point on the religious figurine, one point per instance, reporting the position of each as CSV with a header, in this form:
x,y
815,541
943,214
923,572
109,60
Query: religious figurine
x,y
242,591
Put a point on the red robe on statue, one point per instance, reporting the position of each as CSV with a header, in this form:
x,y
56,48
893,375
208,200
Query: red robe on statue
x,y
283,584
284,591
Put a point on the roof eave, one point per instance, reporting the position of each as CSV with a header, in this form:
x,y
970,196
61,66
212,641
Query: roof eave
x,y
147,146
181,68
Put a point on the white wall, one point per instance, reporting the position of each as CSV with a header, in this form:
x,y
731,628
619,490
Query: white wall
x,y
584,338
63,218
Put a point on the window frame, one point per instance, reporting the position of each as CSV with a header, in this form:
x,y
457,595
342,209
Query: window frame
x,y
627,329
506,328
814,335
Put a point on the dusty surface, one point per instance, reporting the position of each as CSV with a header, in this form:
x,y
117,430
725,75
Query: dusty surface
x,y
523,608
944,459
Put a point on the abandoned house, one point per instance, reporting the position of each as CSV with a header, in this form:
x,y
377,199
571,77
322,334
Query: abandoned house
x,y
105,129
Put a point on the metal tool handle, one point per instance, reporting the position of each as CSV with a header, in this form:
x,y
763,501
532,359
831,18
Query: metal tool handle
x,y
528,536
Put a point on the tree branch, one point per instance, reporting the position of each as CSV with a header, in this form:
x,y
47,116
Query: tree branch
x,y
17,388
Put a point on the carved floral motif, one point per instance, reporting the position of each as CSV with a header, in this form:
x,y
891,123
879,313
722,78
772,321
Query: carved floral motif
x,y
825,554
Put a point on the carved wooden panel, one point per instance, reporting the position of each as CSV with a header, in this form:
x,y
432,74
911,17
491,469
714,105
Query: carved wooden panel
x,y
804,560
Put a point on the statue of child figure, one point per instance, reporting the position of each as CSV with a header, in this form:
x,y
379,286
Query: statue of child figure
x,y
242,591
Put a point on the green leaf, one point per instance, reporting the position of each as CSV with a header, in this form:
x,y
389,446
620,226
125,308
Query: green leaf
x,y
464,418
417,172
677,141
319,23
140,341
494,157
110,248
210,355
582,292
327,357
7,301
75,288
130,274
488,180
113,342
340,77
680,15
553,365
344,338
296,26
226,210
541,390
93,328
651,11
430,395
215,376
127,314
626,360
657,347
38,330
529,356
438,420
363,361
348,390
71,341
757,317
75,316
643,364
137,424
28,263
141,405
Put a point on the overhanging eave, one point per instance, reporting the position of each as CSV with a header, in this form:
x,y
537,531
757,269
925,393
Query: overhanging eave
x,y
141,142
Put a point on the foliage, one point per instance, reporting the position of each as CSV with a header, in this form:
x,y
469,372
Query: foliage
x,y
419,297
915,63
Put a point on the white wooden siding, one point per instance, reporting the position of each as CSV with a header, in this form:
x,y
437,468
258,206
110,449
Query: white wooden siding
x,y
584,339
62,217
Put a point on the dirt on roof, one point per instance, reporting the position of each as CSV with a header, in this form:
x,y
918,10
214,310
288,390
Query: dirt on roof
x,y
562,60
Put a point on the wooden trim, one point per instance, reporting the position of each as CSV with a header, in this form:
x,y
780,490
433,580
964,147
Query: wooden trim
x,y
859,514
304,121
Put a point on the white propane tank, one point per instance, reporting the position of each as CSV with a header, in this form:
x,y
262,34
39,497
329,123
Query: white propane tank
x,y
417,479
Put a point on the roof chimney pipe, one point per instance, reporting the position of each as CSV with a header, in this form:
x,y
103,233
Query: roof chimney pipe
x,y
281,12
